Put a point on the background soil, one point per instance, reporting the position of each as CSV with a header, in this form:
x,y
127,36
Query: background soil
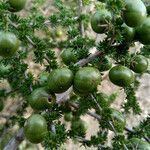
x,y
143,94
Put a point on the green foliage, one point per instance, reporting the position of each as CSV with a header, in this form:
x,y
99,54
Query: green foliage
x,y
131,101
53,140
119,142
40,50
142,130
95,140
145,51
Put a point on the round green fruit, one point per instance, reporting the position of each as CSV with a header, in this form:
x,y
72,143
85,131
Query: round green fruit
x,y
60,80
121,76
40,99
1,105
135,13
68,116
68,56
138,144
35,128
128,32
16,5
87,79
43,78
143,32
118,120
9,44
99,21
139,64
58,32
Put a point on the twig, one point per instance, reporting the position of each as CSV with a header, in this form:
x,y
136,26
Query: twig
x,y
5,116
96,116
113,128
94,99
18,138
110,122
80,9
147,139
129,130
81,139
15,141
46,58
63,97
30,41
81,63
88,59
5,131
53,128
125,147
132,131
